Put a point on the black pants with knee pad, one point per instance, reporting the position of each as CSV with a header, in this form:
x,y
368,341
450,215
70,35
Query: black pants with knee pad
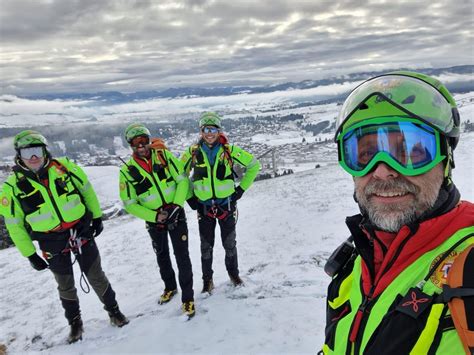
x,y
207,226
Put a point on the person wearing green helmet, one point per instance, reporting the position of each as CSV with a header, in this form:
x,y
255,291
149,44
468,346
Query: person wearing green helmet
x,y
153,187
389,293
52,202
214,193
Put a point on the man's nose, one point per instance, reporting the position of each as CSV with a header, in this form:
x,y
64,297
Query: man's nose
x,y
383,172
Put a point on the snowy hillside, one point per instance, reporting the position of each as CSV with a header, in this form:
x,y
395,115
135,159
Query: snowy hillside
x,y
287,228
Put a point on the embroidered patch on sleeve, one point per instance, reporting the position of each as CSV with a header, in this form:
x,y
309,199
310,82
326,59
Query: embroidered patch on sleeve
x,y
440,275
5,202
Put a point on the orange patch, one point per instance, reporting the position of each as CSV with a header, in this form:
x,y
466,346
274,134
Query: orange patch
x,y
122,186
440,275
5,201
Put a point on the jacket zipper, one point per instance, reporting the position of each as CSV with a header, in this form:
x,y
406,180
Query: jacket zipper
x,y
359,319
212,176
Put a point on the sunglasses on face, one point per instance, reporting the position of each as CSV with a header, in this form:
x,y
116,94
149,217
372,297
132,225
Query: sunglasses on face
x,y
210,129
139,142
28,153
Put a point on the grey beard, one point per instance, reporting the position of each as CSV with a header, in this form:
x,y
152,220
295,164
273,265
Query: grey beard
x,y
392,218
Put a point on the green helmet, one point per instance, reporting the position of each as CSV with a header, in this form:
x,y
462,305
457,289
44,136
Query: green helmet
x,y
210,119
402,94
29,138
136,130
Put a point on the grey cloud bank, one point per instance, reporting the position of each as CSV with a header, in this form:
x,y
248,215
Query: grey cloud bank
x,y
88,46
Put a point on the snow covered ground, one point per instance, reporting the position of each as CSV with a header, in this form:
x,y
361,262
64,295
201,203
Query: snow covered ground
x,y
287,228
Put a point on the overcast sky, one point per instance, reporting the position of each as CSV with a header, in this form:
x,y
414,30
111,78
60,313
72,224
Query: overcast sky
x,y
53,46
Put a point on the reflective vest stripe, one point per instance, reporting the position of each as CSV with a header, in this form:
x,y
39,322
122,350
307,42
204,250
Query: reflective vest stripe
x,y
70,205
180,178
86,187
148,198
12,220
41,217
252,163
170,190
226,186
426,338
344,293
202,187
129,202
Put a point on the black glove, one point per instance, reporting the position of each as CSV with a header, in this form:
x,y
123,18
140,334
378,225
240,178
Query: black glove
x,y
168,215
37,262
193,202
97,227
238,193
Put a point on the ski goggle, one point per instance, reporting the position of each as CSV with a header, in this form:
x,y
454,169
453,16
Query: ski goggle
x,y
401,96
140,141
209,129
408,146
30,152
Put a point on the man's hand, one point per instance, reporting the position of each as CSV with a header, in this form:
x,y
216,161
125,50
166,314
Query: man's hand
x,y
97,227
238,193
37,262
168,215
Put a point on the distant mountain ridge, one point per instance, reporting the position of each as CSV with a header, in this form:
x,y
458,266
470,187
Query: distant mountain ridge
x,y
115,97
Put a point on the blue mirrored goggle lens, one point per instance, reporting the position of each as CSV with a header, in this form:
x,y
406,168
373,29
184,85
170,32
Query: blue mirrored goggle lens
x,y
28,153
207,130
412,145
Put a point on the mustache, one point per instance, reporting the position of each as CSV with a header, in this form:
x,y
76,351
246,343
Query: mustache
x,y
398,185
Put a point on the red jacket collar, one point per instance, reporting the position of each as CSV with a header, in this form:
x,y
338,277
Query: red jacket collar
x,y
146,164
407,247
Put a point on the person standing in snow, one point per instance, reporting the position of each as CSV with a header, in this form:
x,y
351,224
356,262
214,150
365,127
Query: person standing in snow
x,y
215,194
393,289
52,201
153,187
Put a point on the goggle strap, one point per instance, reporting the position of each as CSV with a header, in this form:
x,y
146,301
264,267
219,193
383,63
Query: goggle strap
x,y
408,113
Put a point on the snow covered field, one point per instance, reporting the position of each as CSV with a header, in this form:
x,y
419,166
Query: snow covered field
x,y
287,228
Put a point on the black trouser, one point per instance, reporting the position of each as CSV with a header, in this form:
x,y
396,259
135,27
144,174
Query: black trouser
x,y
179,239
61,266
207,226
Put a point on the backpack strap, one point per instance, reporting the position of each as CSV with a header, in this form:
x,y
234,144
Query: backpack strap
x,y
196,155
460,291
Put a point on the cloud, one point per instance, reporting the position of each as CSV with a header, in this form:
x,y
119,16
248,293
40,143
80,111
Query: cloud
x,y
125,45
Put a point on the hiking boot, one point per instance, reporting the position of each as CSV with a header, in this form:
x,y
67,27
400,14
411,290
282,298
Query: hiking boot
x,y
76,331
117,318
236,280
188,309
166,296
207,286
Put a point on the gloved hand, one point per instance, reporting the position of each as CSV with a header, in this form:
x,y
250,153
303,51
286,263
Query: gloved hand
x,y
37,262
238,193
193,202
168,215
97,227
